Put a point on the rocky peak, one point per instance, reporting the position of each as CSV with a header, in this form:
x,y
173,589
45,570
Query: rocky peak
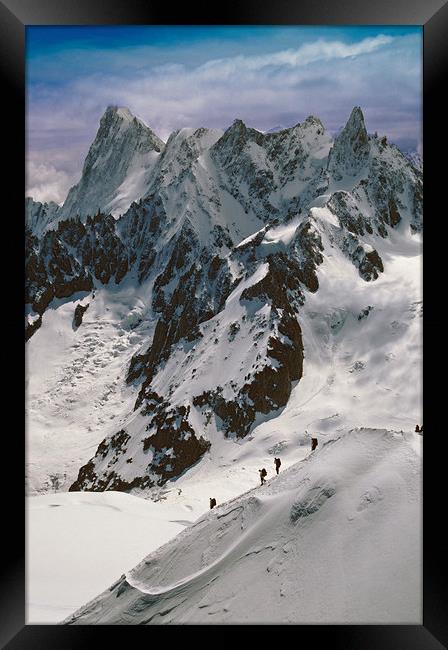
x,y
117,166
355,127
351,147
117,112
311,120
192,140
238,125
119,127
237,136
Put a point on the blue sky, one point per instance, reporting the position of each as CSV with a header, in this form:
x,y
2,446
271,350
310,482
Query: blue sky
x,y
173,77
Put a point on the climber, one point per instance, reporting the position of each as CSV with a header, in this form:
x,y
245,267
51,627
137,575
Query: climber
x,y
277,462
417,429
212,503
313,444
263,473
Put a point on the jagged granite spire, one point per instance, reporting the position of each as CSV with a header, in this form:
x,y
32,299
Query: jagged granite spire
x,y
116,167
351,148
235,138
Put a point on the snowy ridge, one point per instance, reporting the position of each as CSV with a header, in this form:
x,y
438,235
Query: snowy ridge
x,y
77,543
299,549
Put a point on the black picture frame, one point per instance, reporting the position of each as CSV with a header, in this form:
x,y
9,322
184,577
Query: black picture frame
x,y
15,15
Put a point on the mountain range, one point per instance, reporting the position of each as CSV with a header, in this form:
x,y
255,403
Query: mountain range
x,y
222,237
195,309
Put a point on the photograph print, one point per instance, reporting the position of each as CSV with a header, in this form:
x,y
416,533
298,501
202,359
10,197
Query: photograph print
x,y
223,325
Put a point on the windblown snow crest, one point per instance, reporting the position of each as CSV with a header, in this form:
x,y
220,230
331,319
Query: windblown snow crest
x,y
300,549
225,234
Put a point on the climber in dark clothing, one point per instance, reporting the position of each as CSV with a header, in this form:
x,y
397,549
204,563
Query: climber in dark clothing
x,y
277,462
417,429
313,444
212,503
263,473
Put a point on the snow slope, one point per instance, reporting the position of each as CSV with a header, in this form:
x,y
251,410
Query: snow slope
x,y
75,389
77,544
362,368
334,539
357,372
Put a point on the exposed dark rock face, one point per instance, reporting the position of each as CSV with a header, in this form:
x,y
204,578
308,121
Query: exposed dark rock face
x,y
172,446
283,276
68,259
351,148
172,431
137,366
232,154
192,302
79,313
181,259
343,205
139,230
52,271
308,249
31,328
198,285
369,263
117,446
281,287
270,387
268,390
236,417
103,250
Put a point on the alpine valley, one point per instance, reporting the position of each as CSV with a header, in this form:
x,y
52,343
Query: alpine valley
x,y
199,306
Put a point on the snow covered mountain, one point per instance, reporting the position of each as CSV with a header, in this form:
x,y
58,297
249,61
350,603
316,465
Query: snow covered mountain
x,y
250,265
117,166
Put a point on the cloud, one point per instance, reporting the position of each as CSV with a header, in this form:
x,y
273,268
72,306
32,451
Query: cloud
x,y
46,183
321,50
326,78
